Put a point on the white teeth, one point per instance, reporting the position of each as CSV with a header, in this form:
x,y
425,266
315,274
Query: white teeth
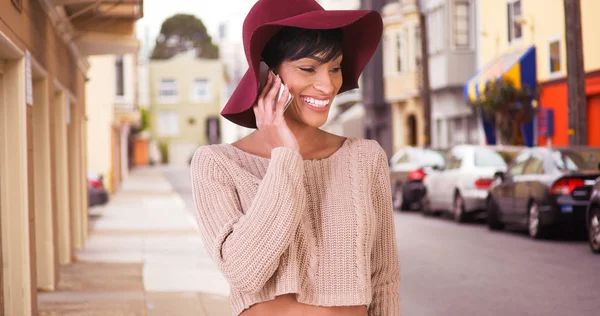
x,y
315,102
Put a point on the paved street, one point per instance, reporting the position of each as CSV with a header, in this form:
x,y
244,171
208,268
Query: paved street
x,y
457,270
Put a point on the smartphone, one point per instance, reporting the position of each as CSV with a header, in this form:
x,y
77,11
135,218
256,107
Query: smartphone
x,y
263,76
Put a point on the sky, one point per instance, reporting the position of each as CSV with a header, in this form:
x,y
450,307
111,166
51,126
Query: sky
x,y
211,12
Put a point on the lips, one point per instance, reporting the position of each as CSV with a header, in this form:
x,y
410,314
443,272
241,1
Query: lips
x,y
316,104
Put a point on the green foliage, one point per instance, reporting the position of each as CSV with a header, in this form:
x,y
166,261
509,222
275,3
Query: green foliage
x,y
145,119
509,106
181,33
163,147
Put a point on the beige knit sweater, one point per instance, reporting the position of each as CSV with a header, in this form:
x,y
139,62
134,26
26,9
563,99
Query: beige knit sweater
x,y
322,229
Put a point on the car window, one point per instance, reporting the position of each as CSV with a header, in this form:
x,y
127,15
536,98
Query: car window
x,y
569,160
402,158
428,157
517,169
485,157
534,166
455,158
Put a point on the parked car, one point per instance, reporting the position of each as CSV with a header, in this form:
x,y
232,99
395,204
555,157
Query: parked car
x,y
544,189
408,168
97,194
593,217
461,187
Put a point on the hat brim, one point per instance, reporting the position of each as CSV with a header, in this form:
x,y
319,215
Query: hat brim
x,y
362,31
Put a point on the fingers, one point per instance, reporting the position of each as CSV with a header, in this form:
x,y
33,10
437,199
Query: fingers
x,y
265,90
280,107
271,98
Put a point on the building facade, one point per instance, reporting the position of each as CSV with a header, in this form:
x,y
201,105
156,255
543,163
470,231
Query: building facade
x,y
401,72
452,61
112,111
43,195
513,26
186,96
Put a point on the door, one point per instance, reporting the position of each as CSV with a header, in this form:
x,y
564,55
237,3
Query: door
x,y
508,187
526,185
593,115
448,178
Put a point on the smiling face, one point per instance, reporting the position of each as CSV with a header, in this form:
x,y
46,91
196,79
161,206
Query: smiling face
x,y
314,84
309,62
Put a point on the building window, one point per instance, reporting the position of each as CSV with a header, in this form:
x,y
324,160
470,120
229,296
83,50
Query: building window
x,y
120,76
515,31
554,48
461,23
436,30
399,52
201,90
168,123
167,89
418,47
387,55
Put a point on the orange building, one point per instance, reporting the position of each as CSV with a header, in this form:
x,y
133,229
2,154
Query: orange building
x,y
554,95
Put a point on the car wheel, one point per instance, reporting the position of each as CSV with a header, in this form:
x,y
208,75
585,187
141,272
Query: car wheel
x,y
534,227
398,198
426,206
594,230
492,215
458,209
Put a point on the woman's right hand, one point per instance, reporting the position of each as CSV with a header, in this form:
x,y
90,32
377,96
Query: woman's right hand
x,y
269,115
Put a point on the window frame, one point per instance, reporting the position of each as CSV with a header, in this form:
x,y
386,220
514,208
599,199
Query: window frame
x,y
510,19
169,132
195,97
469,17
551,40
120,76
167,98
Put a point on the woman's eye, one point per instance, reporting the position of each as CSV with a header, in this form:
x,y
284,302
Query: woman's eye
x,y
337,69
307,69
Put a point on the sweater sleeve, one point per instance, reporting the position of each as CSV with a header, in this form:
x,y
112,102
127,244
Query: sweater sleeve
x,y
247,244
385,276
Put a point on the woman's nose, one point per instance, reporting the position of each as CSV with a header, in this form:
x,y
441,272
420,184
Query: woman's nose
x,y
324,84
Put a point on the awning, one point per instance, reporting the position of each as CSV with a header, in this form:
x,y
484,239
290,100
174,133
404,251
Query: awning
x,y
519,67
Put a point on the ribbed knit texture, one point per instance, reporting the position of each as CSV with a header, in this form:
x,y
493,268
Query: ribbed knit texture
x,y
322,229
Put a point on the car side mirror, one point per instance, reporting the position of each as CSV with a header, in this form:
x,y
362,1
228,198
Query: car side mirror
x,y
499,175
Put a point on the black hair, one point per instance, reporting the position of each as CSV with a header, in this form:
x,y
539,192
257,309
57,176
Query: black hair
x,y
292,43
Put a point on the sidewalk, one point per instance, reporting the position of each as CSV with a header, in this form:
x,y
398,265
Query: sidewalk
x,y
144,256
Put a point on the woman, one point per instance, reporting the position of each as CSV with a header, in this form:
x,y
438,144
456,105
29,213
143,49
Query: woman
x,y
299,221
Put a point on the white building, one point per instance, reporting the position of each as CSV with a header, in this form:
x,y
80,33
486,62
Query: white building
x,y
231,53
452,61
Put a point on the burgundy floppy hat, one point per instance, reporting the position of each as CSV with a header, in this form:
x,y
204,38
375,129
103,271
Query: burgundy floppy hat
x,y
362,31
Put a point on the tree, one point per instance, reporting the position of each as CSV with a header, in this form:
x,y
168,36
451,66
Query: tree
x,y
181,33
508,107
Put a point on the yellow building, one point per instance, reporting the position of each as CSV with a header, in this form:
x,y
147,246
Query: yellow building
x,y
401,55
44,47
112,111
186,94
509,28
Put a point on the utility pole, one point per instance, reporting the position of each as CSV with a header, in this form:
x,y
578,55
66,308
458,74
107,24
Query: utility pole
x,y
425,87
578,134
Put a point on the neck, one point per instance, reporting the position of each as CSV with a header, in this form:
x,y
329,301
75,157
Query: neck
x,y
307,136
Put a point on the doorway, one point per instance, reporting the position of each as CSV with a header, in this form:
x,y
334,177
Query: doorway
x,y
411,127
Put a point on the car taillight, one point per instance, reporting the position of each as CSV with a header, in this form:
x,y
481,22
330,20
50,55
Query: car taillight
x,y
483,183
565,186
417,175
96,184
